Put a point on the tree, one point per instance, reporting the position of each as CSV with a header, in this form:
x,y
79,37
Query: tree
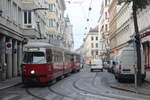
x,y
137,4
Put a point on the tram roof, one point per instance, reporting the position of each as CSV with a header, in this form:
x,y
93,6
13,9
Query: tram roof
x,y
41,44
38,44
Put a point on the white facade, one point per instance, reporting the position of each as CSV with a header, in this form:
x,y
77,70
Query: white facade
x,y
21,19
34,18
10,33
68,35
104,26
143,20
56,21
91,45
123,31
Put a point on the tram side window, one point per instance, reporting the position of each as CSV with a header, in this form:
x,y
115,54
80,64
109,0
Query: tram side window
x,y
72,58
68,57
34,57
49,55
78,58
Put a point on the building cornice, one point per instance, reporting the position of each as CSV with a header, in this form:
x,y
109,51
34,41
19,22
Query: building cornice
x,y
123,26
125,6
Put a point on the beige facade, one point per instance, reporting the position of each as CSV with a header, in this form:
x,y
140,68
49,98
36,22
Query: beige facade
x,y
91,45
104,26
56,21
68,34
120,25
113,24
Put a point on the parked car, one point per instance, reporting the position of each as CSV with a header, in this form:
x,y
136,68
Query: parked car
x,y
111,66
106,64
96,65
126,63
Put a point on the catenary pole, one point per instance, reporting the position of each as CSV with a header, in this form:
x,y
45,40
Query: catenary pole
x,y
138,43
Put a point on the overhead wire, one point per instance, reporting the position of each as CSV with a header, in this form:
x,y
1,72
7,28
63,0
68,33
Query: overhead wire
x,y
87,18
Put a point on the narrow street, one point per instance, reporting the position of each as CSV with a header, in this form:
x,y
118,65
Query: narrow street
x,y
84,85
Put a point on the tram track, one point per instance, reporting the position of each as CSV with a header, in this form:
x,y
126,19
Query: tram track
x,y
33,95
92,93
60,94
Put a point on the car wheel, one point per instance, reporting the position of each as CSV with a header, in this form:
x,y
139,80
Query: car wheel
x,y
116,77
119,80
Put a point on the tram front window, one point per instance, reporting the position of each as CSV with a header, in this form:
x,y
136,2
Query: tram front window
x,y
34,57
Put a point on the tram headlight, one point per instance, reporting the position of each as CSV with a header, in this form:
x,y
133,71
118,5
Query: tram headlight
x,y
32,72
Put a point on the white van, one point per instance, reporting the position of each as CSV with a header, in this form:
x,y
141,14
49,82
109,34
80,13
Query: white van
x,y
125,64
96,65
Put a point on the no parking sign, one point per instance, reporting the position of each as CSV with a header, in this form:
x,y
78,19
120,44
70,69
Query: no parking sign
x,y
8,48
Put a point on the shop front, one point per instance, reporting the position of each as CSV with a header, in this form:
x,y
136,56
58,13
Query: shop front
x,y
145,40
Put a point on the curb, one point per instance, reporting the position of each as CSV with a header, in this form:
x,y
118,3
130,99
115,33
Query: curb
x,y
128,90
5,87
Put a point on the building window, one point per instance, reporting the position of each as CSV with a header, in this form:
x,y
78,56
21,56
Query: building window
x,y
96,52
51,7
106,16
96,38
106,27
19,16
27,17
92,46
92,53
96,45
14,12
105,2
92,38
52,23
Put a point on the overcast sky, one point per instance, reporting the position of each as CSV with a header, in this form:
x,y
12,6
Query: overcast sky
x,y
78,11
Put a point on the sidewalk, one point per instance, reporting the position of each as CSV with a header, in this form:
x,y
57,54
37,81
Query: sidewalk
x,y
130,87
10,83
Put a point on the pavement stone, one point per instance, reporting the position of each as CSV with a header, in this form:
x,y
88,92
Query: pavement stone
x,y
144,89
10,82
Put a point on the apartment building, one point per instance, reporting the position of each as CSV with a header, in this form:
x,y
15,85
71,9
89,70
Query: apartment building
x,y
120,26
56,21
144,29
11,38
34,18
104,26
91,45
68,34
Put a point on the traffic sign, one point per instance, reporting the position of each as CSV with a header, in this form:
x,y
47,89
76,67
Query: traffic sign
x,y
8,47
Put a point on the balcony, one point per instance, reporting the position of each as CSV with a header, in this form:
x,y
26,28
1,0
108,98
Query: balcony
x,y
31,33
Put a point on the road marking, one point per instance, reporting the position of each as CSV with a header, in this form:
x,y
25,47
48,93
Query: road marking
x,y
50,96
9,97
98,96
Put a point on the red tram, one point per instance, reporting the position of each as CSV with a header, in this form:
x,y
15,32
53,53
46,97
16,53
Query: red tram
x,y
43,63
75,62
